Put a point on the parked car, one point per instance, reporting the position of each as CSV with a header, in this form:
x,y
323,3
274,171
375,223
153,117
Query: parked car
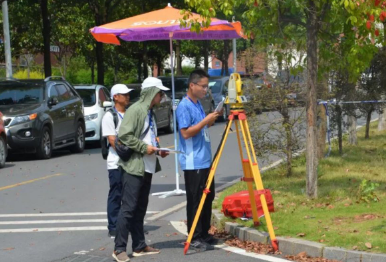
x,y
42,115
163,112
3,142
96,98
219,90
180,88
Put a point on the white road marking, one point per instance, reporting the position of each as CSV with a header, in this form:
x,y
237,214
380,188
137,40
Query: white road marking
x,y
181,227
63,214
52,221
53,229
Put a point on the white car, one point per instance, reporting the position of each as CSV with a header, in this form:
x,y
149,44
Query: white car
x,y
96,98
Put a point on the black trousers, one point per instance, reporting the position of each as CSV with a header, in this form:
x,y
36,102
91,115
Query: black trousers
x,y
195,182
135,198
115,197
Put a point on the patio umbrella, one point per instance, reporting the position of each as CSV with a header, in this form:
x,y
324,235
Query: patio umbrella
x,y
164,24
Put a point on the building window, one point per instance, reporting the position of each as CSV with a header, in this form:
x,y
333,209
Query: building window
x,y
217,64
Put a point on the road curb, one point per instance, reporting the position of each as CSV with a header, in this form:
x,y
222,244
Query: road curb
x,y
293,246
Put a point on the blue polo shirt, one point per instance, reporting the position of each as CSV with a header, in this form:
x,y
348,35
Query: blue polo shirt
x,y
197,150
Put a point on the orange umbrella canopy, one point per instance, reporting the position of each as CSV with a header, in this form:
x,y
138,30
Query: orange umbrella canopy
x,y
163,24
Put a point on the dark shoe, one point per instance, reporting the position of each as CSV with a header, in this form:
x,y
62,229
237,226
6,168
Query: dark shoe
x,y
120,256
112,233
146,251
209,239
200,245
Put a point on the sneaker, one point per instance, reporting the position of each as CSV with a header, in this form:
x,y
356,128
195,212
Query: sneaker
x,y
200,245
120,256
112,233
146,251
209,239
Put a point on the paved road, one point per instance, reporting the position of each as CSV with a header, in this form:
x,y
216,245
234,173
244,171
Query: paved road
x,y
54,210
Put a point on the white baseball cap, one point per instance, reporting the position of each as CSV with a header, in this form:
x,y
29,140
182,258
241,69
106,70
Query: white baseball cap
x,y
152,81
119,89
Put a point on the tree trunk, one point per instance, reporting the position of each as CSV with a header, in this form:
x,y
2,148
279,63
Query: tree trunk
x,y
100,66
368,119
159,65
145,69
178,58
382,120
139,68
226,56
312,62
288,132
338,110
352,130
93,72
46,38
206,59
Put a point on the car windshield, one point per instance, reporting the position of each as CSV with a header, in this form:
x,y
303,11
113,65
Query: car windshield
x,y
215,86
21,93
88,96
180,85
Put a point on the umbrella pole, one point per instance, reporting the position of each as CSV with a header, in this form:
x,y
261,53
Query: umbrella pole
x,y
177,191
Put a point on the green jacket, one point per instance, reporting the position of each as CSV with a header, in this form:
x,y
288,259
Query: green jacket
x,y
131,129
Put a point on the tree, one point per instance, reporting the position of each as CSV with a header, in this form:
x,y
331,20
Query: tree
x,y
46,37
270,22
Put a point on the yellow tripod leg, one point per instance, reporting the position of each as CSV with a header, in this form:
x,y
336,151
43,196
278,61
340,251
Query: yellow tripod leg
x,y
248,178
206,190
257,177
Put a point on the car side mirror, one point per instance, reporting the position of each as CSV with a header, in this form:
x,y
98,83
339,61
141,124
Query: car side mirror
x,y
107,104
52,101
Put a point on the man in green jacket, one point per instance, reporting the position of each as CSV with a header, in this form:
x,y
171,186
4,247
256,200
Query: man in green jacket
x,y
139,132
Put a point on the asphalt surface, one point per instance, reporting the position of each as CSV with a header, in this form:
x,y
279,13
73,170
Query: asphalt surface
x,y
55,210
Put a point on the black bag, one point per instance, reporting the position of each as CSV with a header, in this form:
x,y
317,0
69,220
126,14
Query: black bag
x,y
124,152
105,145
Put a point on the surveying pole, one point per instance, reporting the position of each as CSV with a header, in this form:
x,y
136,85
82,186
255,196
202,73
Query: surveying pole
x,y
250,166
7,41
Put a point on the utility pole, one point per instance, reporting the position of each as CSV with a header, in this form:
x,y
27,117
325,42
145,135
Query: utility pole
x,y
234,52
7,40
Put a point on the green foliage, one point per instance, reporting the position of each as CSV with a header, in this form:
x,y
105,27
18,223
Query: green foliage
x,y
186,70
366,191
23,74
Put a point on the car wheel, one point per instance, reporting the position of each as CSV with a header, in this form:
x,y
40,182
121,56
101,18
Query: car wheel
x,y
79,139
3,152
170,127
44,150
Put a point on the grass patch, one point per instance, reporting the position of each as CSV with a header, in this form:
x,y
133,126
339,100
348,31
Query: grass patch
x,y
336,217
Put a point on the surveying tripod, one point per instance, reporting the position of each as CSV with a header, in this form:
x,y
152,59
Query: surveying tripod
x,y
250,166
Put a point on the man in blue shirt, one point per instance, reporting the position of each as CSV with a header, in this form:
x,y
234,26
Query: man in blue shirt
x,y
195,162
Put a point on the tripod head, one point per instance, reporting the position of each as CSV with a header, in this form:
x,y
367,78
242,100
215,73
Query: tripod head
x,y
235,93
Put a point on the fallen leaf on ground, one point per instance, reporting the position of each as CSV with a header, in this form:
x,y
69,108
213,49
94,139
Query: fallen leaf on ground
x,y
355,248
9,248
368,245
102,248
302,254
301,234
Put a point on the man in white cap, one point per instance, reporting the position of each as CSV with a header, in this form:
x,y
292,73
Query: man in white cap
x,y
139,132
110,126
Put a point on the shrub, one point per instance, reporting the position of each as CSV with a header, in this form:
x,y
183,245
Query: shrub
x,y
23,74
